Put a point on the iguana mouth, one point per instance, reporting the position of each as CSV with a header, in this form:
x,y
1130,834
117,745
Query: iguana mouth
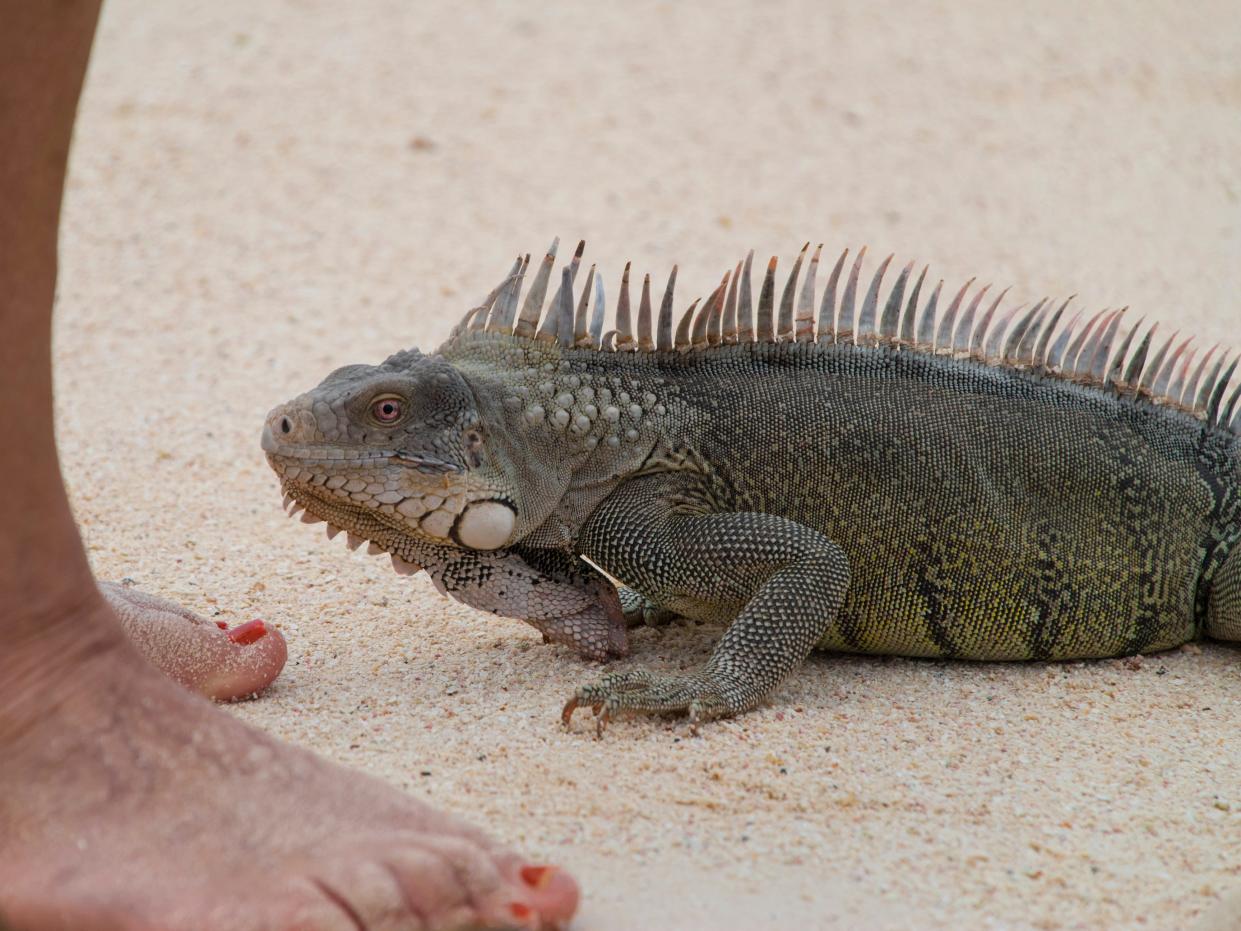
x,y
400,457
427,464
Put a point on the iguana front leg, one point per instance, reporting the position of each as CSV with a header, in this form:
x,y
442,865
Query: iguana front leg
x,y
780,582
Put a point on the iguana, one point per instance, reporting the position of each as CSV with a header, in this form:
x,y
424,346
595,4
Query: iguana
x,y
900,478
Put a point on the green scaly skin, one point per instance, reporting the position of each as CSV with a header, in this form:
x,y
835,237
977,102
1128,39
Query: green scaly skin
x,y
863,498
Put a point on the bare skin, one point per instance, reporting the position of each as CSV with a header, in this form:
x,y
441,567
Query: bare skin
x,y
204,656
126,802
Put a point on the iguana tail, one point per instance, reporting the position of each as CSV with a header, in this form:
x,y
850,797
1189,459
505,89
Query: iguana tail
x,y
1224,604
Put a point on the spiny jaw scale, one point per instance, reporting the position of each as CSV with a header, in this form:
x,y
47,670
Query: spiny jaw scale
x,y
295,509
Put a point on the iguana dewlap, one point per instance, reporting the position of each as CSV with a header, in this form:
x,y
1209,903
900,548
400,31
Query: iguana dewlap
x,y
906,474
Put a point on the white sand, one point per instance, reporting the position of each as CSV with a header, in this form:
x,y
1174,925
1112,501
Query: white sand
x,y
261,192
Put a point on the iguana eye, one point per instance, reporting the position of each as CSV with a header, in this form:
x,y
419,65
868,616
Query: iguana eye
x,y
387,410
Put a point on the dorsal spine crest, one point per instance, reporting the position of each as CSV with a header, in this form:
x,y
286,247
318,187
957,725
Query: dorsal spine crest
x,y
1009,339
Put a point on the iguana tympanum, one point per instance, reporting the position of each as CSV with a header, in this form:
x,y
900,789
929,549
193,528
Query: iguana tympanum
x,y
913,479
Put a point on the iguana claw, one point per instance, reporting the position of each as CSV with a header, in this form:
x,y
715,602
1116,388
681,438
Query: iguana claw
x,y
602,715
697,695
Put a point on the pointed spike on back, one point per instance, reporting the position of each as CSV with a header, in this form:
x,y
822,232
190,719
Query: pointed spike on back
x,y
478,321
514,296
550,327
581,318
576,261
664,335
1226,411
1091,347
1133,371
908,334
827,309
478,318
1055,355
468,322
1075,348
1006,351
564,325
597,314
1116,370
745,310
803,322
1044,340
1021,349
500,319
624,326
728,329
890,319
1176,386
987,339
1103,346
1153,371
994,347
926,324
947,325
681,339
532,309
962,337
1169,368
1203,401
1216,396
766,304
868,325
784,329
512,273
1226,418
1188,391
698,333
645,341
844,330
715,313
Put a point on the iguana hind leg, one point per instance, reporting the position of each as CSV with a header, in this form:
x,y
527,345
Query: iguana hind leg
x,y
1224,605
780,581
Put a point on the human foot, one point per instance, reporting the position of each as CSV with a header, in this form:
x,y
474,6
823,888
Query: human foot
x,y
129,803
202,655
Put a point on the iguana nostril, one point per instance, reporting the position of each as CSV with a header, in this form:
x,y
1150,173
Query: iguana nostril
x,y
285,425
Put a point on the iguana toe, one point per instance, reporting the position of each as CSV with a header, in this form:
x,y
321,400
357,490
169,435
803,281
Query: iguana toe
x,y
697,695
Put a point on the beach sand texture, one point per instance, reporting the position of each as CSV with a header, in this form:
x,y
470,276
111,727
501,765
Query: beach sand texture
x,y
262,192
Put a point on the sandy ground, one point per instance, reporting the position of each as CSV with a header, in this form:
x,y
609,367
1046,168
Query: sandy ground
x,y
262,192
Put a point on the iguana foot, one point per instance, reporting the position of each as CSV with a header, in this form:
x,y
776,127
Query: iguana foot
x,y
204,656
640,611
698,695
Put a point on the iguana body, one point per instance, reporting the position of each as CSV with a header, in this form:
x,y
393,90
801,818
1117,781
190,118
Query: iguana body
x,y
905,482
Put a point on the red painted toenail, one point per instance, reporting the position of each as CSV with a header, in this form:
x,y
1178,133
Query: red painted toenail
x,y
221,625
537,876
248,632
521,911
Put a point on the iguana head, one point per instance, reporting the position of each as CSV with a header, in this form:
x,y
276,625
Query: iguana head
x,y
391,451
